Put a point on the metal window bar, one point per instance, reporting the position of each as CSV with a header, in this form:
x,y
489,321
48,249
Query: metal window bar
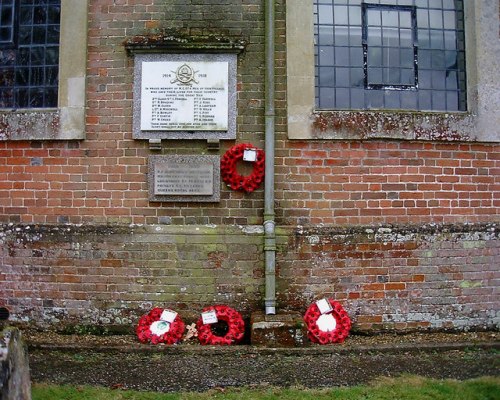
x,y
386,48
440,83
8,32
8,23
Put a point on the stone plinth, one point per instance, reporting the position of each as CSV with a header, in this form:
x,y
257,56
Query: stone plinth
x,y
282,330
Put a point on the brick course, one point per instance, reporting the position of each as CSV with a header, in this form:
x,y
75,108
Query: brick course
x,y
366,183
388,278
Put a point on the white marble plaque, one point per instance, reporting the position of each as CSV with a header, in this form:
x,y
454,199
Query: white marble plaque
x,y
184,95
178,178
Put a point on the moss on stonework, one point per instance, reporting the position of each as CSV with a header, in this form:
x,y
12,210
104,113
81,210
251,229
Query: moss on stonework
x,y
182,41
95,330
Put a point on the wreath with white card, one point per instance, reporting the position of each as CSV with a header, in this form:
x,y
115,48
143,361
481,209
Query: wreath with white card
x,y
228,165
327,322
160,326
213,315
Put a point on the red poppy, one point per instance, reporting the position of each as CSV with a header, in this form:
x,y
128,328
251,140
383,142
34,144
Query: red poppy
x,y
231,176
327,327
157,327
235,325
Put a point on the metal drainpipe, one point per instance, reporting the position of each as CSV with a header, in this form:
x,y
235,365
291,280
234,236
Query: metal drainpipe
x,y
269,223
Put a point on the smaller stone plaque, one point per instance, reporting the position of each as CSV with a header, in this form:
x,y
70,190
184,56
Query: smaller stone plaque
x,y
180,178
184,178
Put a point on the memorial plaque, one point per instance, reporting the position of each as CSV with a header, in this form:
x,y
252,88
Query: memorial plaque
x,y
184,178
185,96
180,178
189,96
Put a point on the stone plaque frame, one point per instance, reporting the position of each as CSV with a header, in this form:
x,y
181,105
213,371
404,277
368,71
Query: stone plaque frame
x,y
229,133
155,163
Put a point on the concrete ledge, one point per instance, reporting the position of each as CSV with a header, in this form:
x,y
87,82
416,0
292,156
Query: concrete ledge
x,y
249,350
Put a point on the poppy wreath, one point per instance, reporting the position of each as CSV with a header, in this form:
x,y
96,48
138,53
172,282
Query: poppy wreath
x,y
151,323
235,323
341,327
231,176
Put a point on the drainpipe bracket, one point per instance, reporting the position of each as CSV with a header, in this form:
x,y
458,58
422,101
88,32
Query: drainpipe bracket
x,y
269,227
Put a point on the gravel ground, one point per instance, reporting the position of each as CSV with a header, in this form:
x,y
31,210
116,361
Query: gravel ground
x,y
122,362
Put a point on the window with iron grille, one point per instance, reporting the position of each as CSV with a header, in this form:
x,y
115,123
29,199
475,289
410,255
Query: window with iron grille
x,y
390,54
29,53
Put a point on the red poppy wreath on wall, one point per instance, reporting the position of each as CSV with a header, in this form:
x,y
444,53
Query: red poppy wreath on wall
x,y
228,165
160,326
211,316
327,322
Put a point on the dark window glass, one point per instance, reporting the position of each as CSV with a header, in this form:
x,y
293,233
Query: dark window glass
x,y
7,23
390,54
29,59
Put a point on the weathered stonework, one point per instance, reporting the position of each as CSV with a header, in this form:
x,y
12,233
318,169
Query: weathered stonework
x,y
402,278
285,330
172,42
387,278
111,275
404,125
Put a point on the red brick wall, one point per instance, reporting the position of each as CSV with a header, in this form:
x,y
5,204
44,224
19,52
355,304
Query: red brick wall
x,y
59,275
103,179
70,212
365,183
317,183
404,278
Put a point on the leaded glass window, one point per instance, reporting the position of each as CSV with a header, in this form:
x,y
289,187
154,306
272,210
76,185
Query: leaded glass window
x,y
29,63
390,54
7,23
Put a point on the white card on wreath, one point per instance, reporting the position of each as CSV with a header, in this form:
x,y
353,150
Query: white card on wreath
x,y
324,306
168,316
209,317
250,155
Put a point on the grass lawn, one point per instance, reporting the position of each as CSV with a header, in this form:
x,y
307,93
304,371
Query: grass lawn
x,y
406,387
